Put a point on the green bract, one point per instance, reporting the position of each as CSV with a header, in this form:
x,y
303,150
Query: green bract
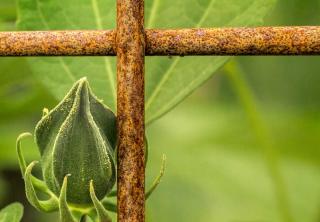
x,y
77,141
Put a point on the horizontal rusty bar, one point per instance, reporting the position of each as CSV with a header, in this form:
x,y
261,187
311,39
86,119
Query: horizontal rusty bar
x,y
303,40
235,41
57,43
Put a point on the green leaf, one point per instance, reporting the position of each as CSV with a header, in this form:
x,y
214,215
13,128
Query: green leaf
x,y
168,81
11,213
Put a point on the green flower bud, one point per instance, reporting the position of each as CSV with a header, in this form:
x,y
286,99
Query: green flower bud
x,y
78,138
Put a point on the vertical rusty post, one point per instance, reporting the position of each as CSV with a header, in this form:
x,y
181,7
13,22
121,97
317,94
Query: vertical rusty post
x,y
130,42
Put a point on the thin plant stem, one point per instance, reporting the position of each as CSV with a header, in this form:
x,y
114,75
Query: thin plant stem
x,y
247,99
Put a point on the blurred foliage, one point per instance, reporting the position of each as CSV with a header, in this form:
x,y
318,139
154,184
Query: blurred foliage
x,y
216,166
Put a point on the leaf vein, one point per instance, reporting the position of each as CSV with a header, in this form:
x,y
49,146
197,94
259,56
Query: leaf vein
x,y
61,61
107,63
169,71
155,6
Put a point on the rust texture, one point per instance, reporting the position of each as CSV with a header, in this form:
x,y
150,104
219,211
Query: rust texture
x,y
214,41
235,41
57,43
130,41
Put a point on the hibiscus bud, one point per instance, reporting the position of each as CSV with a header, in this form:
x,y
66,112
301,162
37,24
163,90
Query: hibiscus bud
x,y
78,138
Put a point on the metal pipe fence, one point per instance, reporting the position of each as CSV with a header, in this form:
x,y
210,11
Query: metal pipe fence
x,y
130,42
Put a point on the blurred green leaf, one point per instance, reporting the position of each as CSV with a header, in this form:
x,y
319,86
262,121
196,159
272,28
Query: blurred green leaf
x,y
168,80
7,10
11,213
20,94
9,133
249,103
216,170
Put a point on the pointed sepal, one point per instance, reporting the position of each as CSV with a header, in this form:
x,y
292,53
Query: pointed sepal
x,y
101,211
41,205
65,213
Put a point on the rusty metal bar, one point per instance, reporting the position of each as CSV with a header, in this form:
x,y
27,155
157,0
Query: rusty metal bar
x,y
235,41
57,43
215,41
130,41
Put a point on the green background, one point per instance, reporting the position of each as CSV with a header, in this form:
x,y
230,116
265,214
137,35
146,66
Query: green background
x,y
245,147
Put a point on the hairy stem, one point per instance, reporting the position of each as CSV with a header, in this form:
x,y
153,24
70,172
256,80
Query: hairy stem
x,y
248,101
